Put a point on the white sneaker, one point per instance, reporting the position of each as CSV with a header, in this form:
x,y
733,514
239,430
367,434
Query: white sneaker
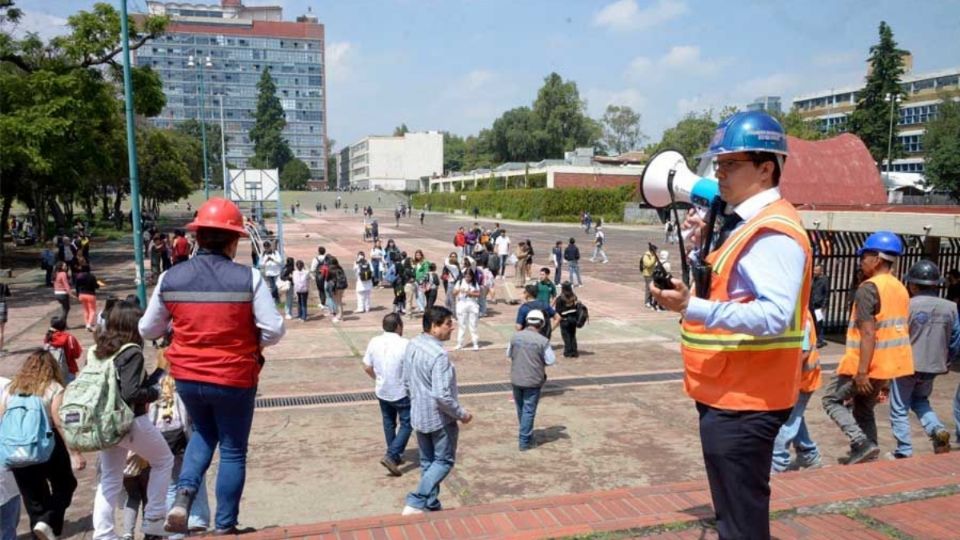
x,y
153,527
287,316
605,262
45,532
458,347
476,347
410,511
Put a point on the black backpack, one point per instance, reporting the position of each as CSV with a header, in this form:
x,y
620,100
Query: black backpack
x,y
583,315
340,279
366,273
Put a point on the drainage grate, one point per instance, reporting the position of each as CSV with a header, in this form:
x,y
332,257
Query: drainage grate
x,y
552,386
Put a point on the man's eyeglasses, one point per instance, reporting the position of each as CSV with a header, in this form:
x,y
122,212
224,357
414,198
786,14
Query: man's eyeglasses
x,y
727,164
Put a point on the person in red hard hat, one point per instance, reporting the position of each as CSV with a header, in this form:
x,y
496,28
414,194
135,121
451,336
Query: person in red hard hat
x,y
221,315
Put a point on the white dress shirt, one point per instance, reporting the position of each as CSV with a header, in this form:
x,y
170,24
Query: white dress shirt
x,y
385,355
769,270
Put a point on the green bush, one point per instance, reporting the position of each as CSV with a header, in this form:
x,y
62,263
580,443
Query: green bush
x,y
535,204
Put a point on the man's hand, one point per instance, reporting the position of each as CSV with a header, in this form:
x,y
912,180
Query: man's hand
x,y
675,299
861,381
694,223
467,417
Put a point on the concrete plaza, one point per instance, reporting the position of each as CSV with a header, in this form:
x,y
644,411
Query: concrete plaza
x,y
616,417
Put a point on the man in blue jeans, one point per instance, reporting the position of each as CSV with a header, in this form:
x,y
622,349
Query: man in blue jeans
x,y
431,382
383,362
222,315
530,354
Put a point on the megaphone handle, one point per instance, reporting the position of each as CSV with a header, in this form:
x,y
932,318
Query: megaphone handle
x,y
716,208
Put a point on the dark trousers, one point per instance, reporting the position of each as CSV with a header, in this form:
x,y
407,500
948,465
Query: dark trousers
x,y
321,284
431,296
48,276
568,331
738,451
64,300
47,488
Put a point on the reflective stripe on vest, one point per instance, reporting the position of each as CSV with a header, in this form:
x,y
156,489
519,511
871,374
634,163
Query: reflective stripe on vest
x,y
737,371
892,354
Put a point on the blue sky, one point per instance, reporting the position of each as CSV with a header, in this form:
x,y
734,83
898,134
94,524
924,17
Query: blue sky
x,y
456,65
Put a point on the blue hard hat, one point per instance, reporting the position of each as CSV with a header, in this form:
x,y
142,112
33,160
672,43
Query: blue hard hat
x,y
752,131
884,242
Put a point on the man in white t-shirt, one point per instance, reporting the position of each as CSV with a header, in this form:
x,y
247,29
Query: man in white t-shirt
x,y
383,362
9,494
502,247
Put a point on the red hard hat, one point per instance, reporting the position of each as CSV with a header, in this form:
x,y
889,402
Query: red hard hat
x,y
218,213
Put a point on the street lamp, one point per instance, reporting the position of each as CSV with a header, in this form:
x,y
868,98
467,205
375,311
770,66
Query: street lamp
x,y
893,99
203,123
132,157
223,152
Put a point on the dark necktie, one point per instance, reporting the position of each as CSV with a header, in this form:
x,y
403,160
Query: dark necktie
x,y
730,222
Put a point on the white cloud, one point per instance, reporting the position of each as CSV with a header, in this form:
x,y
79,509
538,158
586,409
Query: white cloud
x,y
624,15
475,80
598,99
44,24
338,58
679,59
772,85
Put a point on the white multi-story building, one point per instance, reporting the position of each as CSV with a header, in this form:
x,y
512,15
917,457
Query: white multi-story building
x,y
396,163
923,93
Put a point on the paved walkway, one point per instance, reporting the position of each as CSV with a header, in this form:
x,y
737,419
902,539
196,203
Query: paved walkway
x,y
316,463
860,501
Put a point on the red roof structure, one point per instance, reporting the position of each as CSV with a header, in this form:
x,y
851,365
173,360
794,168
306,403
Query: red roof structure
x,y
835,171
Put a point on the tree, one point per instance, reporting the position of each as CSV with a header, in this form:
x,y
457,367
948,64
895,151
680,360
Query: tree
x,y
562,119
294,175
517,136
690,136
621,129
871,119
332,173
170,165
795,125
191,128
941,142
401,130
270,149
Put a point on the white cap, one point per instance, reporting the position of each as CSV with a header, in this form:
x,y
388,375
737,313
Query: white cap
x,y
664,254
535,315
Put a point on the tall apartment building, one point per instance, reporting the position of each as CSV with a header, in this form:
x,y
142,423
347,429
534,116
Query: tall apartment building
x,y
770,104
395,163
241,42
922,95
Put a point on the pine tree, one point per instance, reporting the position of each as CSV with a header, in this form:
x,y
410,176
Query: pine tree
x,y
270,150
872,116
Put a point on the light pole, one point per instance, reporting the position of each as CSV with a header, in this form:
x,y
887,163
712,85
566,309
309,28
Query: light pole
x,y
203,123
223,153
893,99
132,157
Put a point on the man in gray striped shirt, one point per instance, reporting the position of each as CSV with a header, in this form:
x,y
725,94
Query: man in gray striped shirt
x,y
431,382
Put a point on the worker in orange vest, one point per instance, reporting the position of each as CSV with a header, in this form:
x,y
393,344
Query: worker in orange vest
x,y
794,431
878,346
742,337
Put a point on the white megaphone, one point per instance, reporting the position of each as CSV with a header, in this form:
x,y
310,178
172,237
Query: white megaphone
x,y
667,179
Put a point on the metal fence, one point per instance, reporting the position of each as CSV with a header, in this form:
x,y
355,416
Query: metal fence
x,y
837,250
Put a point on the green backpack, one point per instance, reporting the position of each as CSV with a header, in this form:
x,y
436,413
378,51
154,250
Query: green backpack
x,y
93,415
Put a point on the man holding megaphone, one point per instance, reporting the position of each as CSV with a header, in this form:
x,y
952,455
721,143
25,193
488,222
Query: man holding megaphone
x,y
742,331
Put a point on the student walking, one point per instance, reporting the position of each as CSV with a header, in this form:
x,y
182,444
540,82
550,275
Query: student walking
x,y
122,345
566,307
61,289
529,353
363,272
64,347
383,362
46,488
571,254
301,286
431,381
468,308
87,285
598,242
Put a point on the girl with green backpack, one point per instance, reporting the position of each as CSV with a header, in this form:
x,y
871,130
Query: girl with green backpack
x,y
121,345
46,488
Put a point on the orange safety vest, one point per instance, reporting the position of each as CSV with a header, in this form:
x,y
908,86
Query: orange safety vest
x,y
735,371
810,378
892,355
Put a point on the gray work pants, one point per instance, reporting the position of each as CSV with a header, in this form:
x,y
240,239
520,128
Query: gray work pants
x,y
857,422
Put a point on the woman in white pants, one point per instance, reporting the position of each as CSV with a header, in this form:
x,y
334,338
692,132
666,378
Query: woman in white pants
x,y
364,274
121,344
468,308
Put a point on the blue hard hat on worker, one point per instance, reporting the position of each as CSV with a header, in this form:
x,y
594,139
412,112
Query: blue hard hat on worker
x,y
751,131
885,243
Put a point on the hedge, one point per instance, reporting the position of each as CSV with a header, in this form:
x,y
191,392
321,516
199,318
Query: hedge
x,y
535,204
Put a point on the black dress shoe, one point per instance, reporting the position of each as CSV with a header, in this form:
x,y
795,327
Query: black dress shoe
x,y
232,531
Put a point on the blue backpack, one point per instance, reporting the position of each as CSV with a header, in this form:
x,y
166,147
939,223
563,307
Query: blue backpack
x,y
26,434
391,274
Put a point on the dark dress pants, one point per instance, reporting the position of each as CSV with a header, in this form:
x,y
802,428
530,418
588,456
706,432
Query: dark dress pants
x,y
738,451
47,488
